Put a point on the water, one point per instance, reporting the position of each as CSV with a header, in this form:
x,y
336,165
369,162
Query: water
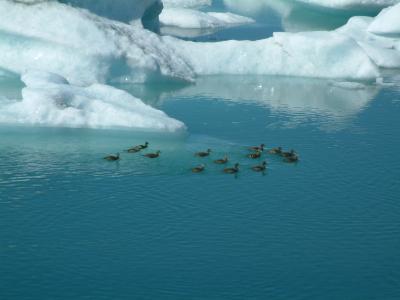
x,y
73,226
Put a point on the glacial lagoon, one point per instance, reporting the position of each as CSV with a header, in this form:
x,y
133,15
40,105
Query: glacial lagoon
x,y
73,226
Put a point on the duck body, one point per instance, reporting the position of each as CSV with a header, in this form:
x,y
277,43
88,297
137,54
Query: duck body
x,y
134,149
233,170
137,148
198,169
153,155
146,144
221,161
291,153
257,148
254,155
112,157
292,159
203,154
260,168
277,151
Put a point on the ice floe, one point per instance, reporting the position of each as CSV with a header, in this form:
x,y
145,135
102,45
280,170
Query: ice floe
x,y
82,46
384,51
49,100
387,22
351,5
190,18
186,3
308,54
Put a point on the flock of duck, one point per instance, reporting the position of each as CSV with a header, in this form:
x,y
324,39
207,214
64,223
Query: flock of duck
x,y
256,152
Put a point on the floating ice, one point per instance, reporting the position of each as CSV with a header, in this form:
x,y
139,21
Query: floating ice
x,y
186,3
382,50
81,46
351,5
49,100
309,54
387,22
189,18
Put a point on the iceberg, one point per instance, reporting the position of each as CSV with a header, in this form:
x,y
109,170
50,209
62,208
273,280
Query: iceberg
x,y
382,50
187,3
387,22
50,100
86,49
83,47
308,54
194,19
359,6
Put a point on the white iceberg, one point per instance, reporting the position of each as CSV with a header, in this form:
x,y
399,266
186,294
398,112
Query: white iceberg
x,y
350,5
194,19
81,46
382,50
387,22
49,100
186,3
309,54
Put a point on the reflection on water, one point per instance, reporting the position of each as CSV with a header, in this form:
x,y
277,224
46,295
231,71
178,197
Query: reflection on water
x,y
334,103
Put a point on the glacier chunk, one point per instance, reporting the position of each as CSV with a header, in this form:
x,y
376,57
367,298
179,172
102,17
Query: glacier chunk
x,y
50,100
308,54
194,19
82,46
387,22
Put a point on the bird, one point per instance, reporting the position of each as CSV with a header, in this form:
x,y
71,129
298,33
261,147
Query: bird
x,y
153,155
257,148
275,150
203,154
137,148
233,170
198,169
133,150
289,154
291,159
146,144
112,157
222,160
260,168
254,155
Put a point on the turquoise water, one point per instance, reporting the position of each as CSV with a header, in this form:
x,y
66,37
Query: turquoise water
x,y
73,226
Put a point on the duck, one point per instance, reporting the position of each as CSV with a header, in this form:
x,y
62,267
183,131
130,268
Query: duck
x,y
289,154
153,155
112,157
275,151
221,161
233,170
203,154
260,168
138,148
254,155
199,168
257,148
146,144
291,159
133,150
